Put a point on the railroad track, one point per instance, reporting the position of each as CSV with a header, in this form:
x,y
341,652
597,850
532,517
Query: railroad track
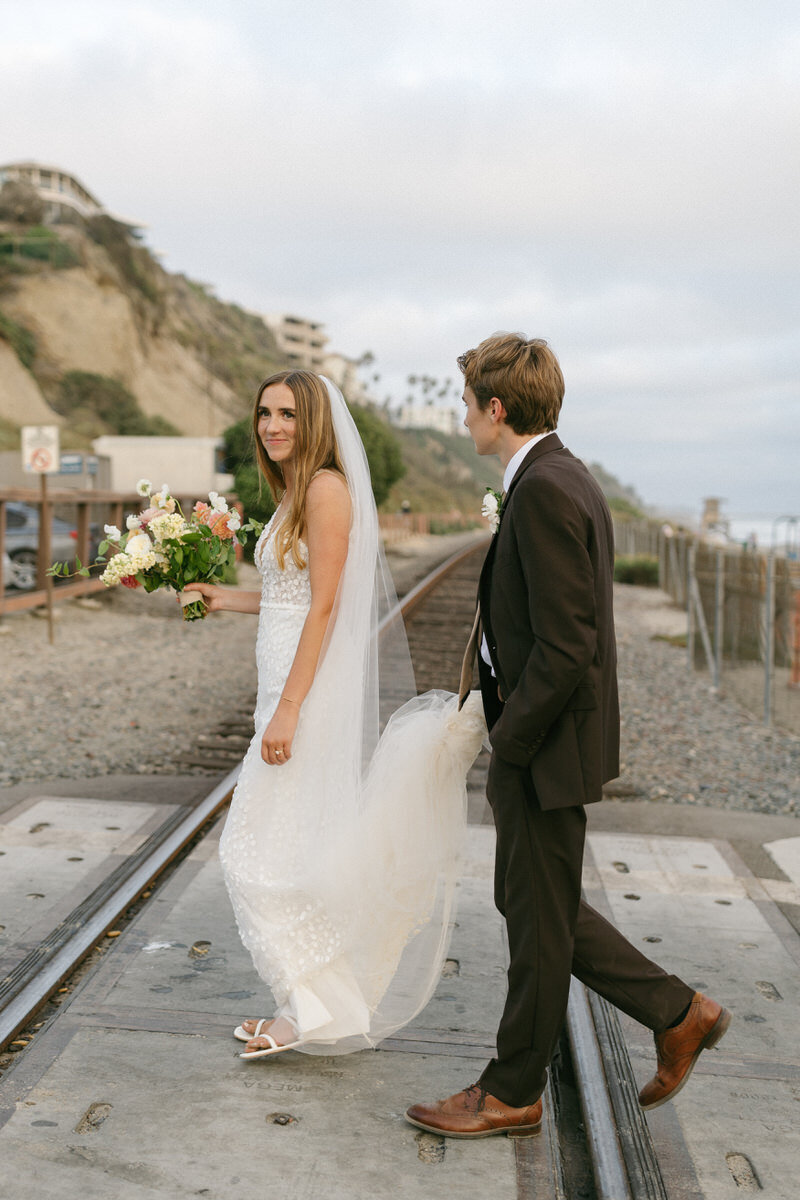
x,y
592,1086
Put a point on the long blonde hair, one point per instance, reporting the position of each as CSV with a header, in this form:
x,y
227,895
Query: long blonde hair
x,y
315,450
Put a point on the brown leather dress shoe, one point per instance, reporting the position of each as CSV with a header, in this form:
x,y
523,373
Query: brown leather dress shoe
x,y
473,1114
678,1049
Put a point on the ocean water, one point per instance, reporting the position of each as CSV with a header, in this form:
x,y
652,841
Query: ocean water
x,y
767,531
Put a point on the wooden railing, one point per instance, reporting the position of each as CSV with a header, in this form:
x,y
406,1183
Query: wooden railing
x,y
112,505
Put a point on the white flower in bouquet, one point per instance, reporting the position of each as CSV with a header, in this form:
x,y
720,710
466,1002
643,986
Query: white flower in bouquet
x,y
132,522
112,533
144,487
118,568
138,546
163,500
167,525
234,520
218,503
129,563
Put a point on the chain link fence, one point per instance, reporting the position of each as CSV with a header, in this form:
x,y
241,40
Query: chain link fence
x,y
743,614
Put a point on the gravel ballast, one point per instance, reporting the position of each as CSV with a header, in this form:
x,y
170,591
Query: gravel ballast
x,y
681,743
128,685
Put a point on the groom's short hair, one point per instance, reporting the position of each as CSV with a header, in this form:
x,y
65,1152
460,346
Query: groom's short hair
x,y
521,372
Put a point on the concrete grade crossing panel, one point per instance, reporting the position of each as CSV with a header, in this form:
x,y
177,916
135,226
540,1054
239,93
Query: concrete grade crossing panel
x,y
137,1090
690,905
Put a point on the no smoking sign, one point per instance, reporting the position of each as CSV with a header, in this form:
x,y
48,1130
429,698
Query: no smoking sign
x,y
40,449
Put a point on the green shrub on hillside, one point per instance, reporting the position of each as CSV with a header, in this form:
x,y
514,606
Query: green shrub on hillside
x,y
21,340
641,569
38,244
10,438
134,263
85,396
233,345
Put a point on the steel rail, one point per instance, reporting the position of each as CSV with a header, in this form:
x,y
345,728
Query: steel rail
x,y
605,1151
422,590
621,1150
641,1160
35,978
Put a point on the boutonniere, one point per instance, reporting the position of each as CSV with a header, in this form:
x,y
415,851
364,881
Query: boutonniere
x,y
492,508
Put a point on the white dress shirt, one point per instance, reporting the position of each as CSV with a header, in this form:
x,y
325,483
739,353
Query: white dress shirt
x,y
514,464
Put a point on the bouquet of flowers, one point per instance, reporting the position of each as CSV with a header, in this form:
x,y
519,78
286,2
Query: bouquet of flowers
x,y
163,548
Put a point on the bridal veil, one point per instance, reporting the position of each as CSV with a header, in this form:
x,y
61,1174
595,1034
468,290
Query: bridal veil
x,y
385,864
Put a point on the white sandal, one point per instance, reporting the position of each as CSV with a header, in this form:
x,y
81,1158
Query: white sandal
x,y
273,1048
241,1033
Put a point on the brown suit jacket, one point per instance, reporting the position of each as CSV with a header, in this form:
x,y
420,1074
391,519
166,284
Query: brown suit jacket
x,y
546,605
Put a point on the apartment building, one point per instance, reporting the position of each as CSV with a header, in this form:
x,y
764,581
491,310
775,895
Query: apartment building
x,y
301,341
62,192
444,419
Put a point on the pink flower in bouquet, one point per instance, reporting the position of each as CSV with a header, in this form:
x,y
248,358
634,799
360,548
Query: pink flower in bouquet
x,y
130,581
216,521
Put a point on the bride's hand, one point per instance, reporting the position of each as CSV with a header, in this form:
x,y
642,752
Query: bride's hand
x,y
276,744
214,596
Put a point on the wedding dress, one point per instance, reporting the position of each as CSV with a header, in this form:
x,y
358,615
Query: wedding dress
x,y
342,863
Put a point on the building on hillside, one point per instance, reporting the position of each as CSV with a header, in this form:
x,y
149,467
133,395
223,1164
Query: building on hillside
x,y
343,371
429,416
191,466
303,343
62,193
300,341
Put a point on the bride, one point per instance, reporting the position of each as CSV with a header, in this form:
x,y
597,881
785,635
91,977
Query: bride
x,y
340,851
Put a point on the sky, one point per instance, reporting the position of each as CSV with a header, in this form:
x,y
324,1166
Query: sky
x,y
620,177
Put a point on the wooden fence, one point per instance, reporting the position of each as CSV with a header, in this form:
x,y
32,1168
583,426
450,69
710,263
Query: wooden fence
x,y
93,507
743,613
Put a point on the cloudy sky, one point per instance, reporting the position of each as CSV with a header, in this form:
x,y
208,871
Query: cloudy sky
x,y
618,176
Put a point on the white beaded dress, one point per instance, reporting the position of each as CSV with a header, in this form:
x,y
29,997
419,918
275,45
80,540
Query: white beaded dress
x,y
342,863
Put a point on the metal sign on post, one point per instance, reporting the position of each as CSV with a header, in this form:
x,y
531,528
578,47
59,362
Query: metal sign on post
x,y
40,449
70,464
41,456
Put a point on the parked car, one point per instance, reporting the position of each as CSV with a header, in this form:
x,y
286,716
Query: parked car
x,y
9,571
22,543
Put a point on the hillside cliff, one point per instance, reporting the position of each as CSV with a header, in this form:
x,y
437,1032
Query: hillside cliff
x,y
89,298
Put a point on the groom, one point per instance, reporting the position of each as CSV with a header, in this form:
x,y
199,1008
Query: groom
x,y
547,667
